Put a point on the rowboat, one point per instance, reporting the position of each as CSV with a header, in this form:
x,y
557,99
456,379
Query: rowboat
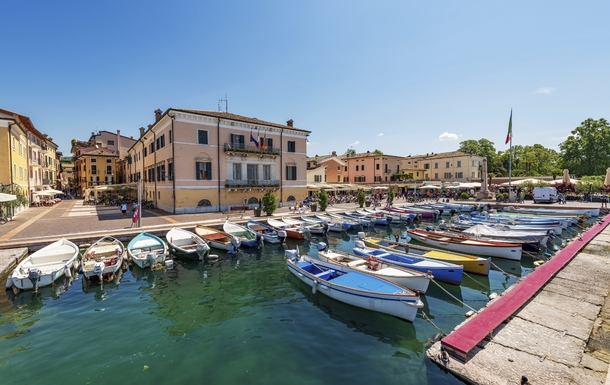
x,y
355,288
471,263
247,237
378,219
342,261
442,271
363,219
461,222
348,223
186,244
467,245
314,228
270,234
331,225
424,213
293,231
396,219
218,239
147,250
103,259
44,266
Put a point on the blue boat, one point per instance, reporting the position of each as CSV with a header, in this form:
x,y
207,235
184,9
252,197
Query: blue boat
x,y
356,288
269,234
147,250
442,271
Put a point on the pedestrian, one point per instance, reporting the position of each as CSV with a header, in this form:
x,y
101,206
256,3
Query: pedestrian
x,y
604,200
136,214
124,209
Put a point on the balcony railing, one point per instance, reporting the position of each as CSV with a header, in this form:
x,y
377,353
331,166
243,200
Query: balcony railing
x,y
248,183
247,148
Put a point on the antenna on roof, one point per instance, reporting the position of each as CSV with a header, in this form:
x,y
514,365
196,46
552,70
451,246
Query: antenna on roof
x,y
225,101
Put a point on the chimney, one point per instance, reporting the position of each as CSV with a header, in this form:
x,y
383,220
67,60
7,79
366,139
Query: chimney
x,y
118,143
289,123
141,132
158,114
334,153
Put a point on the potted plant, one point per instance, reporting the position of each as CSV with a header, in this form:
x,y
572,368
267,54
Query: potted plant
x,y
322,200
269,203
361,198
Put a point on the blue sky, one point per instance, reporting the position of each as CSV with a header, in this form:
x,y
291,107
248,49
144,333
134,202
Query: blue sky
x,y
405,77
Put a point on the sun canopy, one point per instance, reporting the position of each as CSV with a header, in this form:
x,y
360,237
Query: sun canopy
x,y
430,187
7,197
520,182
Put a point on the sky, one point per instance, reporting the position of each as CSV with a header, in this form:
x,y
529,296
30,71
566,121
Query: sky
x,y
404,77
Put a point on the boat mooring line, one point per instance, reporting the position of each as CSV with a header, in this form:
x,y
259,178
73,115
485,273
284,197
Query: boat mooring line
x,y
453,296
471,277
503,272
429,320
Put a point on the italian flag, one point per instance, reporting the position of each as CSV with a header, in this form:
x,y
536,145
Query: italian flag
x,y
509,135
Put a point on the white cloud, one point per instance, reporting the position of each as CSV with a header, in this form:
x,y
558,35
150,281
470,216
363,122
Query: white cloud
x,y
355,143
446,137
380,134
545,90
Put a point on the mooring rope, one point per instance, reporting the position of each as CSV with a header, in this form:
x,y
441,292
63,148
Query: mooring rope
x,y
453,296
503,272
471,277
429,320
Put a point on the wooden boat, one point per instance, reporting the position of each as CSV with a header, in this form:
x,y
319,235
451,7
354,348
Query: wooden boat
x,y
44,266
218,239
103,259
377,218
442,271
270,234
342,261
330,225
355,288
247,237
467,245
314,227
147,250
186,244
293,231
471,263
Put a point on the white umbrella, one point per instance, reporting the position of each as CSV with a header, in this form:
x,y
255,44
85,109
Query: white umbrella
x,y
7,197
607,180
431,187
53,191
566,176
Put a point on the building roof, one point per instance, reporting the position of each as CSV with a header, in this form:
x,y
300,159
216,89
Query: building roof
x,y
450,154
368,155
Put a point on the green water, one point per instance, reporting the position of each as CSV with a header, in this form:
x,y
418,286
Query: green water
x,y
241,319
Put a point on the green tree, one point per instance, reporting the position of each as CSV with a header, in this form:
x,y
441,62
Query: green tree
x,y
269,203
586,151
589,184
323,200
350,152
361,198
22,198
482,147
378,152
392,195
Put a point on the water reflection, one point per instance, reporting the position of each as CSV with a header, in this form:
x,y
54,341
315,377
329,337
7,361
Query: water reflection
x,y
99,289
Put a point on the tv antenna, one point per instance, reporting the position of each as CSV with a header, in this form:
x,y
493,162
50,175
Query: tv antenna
x,y
226,102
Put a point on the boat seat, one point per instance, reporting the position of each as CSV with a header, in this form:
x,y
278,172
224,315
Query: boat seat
x,y
356,263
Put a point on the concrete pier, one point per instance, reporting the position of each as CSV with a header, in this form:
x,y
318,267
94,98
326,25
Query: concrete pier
x,y
561,335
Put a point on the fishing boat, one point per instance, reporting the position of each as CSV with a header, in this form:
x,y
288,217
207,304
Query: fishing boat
x,y
342,261
103,259
467,245
186,244
270,234
247,237
147,250
218,239
331,225
44,266
355,288
471,263
378,219
292,231
314,228
442,271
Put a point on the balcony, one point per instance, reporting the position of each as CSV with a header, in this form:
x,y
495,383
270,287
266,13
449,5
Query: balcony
x,y
249,184
240,148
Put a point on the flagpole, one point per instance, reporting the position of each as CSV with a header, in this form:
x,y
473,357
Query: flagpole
x,y
510,163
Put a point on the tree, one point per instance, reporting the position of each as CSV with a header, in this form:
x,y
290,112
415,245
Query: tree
x,y
392,195
586,151
482,147
589,184
269,203
361,198
22,198
378,152
350,152
323,200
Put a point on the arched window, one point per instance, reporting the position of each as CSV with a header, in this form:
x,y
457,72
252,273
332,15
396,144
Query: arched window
x,y
204,203
253,200
291,198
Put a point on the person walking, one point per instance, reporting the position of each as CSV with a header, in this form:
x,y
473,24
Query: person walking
x,y
124,209
136,215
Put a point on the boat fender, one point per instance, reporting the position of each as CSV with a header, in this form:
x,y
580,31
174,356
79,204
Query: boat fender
x,y
314,287
321,246
359,244
469,313
361,235
9,283
444,355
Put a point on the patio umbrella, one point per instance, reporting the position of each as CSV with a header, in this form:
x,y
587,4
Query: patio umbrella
x,y
566,176
430,187
7,197
607,180
53,191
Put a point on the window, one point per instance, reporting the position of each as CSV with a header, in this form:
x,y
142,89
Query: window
x,y
426,166
236,171
357,167
93,169
204,170
110,142
162,172
377,166
447,175
291,172
151,147
269,144
459,175
144,153
158,143
446,164
108,160
361,167
436,175
162,140
238,141
170,171
171,139
459,163
266,172
317,178
292,146
436,165
202,137
338,168
108,170
93,160
252,173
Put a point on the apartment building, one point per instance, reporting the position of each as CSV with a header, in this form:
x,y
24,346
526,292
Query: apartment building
x,y
198,161
93,166
453,166
370,168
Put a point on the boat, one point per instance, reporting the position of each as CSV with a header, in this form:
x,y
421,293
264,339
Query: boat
x,y
467,245
147,250
442,271
420,212
348,223
103,259
44,266
292,231
355,288
186,244
342,261
376,218
270,234
529,241
314,228
396,219
331,225
461,222
247,237
364,220
592,212
218,239
471,263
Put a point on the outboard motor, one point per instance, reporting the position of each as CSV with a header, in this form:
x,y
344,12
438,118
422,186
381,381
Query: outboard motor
x,y
260,240
321,246
361,235
150,258
203,250
34,276
307,233
360,244
282,236
98,269
429,228
293,254
442,225
461,217
389,219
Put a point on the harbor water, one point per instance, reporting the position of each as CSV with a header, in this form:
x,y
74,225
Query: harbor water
x,y
242,318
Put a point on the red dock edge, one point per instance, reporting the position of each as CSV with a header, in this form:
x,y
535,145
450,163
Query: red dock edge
x,y
463,340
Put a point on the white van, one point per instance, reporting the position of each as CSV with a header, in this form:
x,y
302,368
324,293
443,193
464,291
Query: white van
x,y
545,195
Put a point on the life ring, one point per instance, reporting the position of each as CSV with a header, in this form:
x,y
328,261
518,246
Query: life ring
x,y
372,263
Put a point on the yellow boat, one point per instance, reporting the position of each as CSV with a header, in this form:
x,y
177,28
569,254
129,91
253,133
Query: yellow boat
x,y
471,263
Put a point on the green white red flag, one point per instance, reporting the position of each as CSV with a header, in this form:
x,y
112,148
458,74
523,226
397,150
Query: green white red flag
x,y
509,135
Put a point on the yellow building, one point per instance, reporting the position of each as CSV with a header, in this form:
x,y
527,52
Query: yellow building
x,y
455,166
93,167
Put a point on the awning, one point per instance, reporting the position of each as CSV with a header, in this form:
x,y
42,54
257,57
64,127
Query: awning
x,y
7,197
